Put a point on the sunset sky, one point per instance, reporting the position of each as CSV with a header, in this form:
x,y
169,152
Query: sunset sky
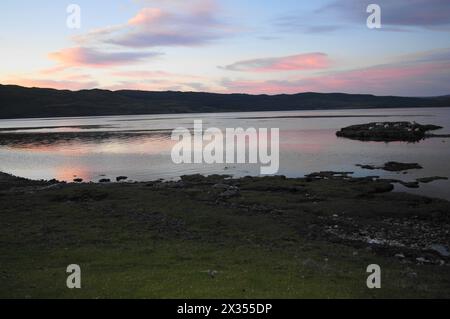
x,y
229,46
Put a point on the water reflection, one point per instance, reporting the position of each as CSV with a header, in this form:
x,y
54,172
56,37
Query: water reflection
x,y
53,141
140,146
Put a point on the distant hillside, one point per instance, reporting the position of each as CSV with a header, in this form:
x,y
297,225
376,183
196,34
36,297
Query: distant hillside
x,y
20,102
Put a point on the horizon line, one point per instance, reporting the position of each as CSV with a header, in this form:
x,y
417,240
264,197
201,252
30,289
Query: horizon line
x,y
221,93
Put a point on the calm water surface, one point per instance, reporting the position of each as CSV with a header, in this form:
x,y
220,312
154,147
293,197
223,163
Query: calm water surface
x,y
139,146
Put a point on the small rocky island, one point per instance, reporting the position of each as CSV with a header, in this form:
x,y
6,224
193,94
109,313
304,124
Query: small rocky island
x,y
392,166
389,131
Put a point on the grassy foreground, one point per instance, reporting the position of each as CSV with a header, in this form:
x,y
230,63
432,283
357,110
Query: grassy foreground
x,y
265,237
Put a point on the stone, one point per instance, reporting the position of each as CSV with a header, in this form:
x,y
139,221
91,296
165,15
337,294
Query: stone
x,y
422,260
440,249
230,193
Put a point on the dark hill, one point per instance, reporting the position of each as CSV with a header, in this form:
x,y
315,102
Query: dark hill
x,y
21,102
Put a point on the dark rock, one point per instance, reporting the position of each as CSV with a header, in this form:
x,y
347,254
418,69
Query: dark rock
x,y
232,192
430,179
438,135
406,184
328,175
393,166
195,179
409,184
396,166
105,180
371,167
179,184
382,187
78,180
121,178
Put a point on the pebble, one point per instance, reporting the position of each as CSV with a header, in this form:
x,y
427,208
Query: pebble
x,y
422,260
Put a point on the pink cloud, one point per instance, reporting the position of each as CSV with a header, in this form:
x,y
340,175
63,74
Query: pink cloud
x,y
53,70
170,24
148,74
298,62
409,79
79,56
142,74
148,16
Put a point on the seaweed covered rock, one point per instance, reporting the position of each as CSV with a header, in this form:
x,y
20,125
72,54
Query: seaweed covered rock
x,y
387,131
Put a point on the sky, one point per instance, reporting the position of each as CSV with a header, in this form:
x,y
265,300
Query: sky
x,y
228,46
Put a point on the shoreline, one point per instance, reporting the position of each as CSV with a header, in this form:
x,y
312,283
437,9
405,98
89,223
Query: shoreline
x,y
229,112
397,167
324,223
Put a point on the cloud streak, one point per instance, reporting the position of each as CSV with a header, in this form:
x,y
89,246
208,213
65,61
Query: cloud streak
x,y
298,62
423,74
150,74
88,57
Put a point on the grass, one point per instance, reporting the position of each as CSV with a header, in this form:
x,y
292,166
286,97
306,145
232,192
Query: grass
x,y
135,241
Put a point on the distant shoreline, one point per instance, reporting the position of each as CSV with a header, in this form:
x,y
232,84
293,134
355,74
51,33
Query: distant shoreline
x,y
20,102
2,130
250,118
